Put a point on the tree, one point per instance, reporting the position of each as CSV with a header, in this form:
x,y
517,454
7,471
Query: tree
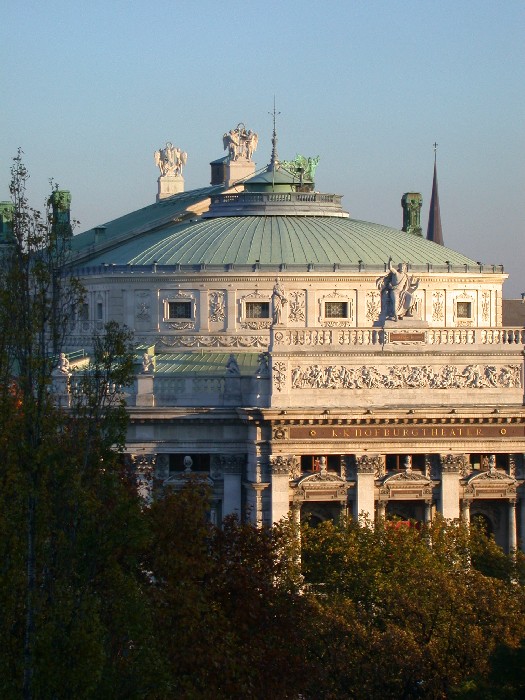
x,y
75,622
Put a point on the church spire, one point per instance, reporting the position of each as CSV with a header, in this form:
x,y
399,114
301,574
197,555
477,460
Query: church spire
x,y
434,232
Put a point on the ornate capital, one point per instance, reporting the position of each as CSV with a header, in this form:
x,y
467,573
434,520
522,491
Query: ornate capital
x,y
285,464
452,463
370,464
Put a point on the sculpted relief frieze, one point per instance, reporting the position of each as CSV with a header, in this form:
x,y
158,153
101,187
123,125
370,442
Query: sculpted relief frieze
x,y
405,377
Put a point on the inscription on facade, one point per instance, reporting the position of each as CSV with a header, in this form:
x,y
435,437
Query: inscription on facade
x,y
405,432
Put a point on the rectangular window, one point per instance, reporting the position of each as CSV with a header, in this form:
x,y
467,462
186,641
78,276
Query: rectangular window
x,y
179,309
100,311
464,309
84,312
336,309
257,309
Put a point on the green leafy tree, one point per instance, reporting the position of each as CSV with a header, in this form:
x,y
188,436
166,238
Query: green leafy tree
x,y
75,621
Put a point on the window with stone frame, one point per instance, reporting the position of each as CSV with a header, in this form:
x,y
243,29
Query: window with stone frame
x,y
336,309
257,309
464,309
179,309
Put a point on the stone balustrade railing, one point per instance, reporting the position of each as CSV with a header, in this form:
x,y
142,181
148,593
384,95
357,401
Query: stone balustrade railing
x,y
342,337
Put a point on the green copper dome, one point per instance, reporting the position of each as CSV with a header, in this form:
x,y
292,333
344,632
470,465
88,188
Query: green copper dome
x,y
278,240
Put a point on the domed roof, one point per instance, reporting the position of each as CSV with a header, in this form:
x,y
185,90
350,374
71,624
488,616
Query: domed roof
x,y
277,240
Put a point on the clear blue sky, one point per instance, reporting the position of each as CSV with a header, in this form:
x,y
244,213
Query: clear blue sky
x,y
91,90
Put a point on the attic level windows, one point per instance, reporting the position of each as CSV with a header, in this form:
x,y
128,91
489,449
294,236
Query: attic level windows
x,y
464,309
257,309
179,309
336,309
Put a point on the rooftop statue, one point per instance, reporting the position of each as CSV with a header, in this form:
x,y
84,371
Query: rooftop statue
x,y
170,160
240,143
397,289
301,165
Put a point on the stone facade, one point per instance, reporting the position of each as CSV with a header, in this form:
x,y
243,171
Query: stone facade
x,y
291,392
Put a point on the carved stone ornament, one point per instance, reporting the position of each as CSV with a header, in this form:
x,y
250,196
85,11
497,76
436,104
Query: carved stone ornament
x,y
181,325
373,306
170,160
485,307
321,487
406,377
280,433
217,306
438,306
215,341
279,375
296,311
370,464
256,325
454,463
289,465
233,464
241,143
142,307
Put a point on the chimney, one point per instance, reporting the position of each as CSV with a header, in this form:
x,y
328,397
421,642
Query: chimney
x,y
411,203
6,222
60,202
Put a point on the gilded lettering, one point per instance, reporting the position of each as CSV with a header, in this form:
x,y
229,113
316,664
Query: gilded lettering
x,y
479,431
334,433
368,432
452,432
405,432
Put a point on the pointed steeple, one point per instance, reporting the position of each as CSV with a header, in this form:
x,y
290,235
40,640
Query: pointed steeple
x,y
434,232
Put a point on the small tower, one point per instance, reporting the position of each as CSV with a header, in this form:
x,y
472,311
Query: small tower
x,y
411,203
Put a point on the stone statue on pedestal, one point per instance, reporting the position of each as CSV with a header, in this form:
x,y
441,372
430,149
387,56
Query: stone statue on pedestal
x,y
397,289
170,160
240,143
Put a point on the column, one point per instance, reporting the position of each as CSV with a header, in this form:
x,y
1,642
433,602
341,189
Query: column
x,y
364,504
259,488
522,523
381,511
465,511
512,526
450,475
428,512
280,474
232,475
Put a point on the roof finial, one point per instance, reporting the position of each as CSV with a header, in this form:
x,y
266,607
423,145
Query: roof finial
x,y
435,152
274,162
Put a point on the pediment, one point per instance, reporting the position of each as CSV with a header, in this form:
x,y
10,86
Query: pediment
x,y
319,478
493,475
406,476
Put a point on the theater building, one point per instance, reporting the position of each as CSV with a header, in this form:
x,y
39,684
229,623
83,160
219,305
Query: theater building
x,y
305,361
